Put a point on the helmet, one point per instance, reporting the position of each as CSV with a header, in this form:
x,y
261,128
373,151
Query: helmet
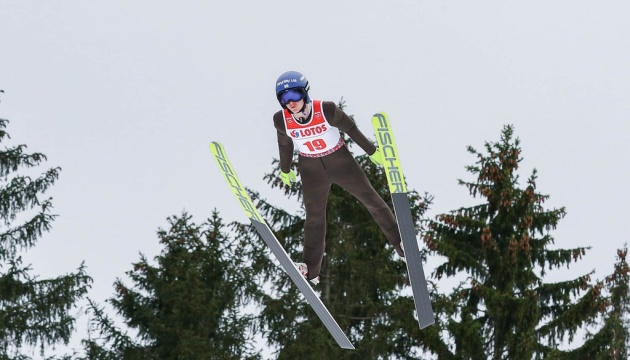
x,y
292,80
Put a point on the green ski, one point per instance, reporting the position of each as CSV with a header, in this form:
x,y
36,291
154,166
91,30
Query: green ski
x,y
398,190
276,248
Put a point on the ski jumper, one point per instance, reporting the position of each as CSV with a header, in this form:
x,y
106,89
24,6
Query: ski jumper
x,y
324,159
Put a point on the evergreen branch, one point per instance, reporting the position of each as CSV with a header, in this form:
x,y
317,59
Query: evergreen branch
x,y
559,257
461,254
21,193
36,311
111,343
562,293
573,316
25,236
14,158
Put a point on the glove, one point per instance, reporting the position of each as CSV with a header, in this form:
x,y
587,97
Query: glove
x,y
287,178
377,157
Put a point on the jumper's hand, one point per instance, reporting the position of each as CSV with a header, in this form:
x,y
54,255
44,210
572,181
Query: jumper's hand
x,y
377,157
287,178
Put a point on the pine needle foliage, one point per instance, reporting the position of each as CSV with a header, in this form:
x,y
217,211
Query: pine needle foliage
x,y
500,251
34,311
188,304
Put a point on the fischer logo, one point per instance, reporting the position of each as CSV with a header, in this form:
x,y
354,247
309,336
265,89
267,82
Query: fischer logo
x,y
312,131
236,186
390,155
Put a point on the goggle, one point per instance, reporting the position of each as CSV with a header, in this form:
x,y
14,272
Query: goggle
x,y
288,95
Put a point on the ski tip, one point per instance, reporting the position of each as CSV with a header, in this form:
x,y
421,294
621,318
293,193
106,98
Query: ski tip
x,y
216,146
380,119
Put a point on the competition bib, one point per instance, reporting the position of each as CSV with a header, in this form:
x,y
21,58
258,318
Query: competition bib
x,y
316,138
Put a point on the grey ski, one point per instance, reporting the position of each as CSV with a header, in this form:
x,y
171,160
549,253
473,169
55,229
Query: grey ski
x,y
276,248
402,209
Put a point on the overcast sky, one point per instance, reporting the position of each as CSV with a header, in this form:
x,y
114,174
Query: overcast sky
x,y
125,96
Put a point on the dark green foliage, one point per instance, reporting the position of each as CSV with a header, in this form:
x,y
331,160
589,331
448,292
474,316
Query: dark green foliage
x,y
503,308
361,280
616,319
186,306
610,341
33,311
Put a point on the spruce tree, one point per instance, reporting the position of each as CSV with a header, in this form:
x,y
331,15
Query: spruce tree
x,y
618,312
501,250
188,305
362,280
34,311
610,340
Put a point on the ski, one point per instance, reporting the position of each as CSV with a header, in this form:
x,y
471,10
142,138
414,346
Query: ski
x,y
276,248
402,209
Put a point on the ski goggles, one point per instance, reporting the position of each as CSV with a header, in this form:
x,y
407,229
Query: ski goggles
x,y
288,95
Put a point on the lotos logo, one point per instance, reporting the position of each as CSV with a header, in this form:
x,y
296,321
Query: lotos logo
x,y
311,131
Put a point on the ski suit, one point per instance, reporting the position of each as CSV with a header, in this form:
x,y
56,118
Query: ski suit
x,y
324,160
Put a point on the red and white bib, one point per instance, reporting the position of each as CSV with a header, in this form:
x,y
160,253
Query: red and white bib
x,y
316,138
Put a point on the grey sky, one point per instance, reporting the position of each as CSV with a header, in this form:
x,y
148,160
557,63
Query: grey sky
x,y
126,95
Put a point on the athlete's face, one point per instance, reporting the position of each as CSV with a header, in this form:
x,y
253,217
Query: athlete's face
x,y
295,106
